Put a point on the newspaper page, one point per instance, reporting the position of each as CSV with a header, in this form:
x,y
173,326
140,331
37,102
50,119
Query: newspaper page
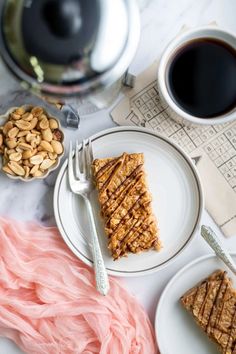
x,y
213,148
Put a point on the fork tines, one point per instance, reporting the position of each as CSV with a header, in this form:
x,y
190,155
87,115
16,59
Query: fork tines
x,y
83,155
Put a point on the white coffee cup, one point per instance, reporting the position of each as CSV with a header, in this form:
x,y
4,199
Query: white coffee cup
x,y
175,111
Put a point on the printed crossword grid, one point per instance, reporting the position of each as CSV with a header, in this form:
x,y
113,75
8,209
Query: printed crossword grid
x,y
221,149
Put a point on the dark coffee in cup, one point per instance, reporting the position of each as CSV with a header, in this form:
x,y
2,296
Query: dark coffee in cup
x,y
201,77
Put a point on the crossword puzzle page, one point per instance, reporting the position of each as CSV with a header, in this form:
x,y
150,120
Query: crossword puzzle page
x,y
213,148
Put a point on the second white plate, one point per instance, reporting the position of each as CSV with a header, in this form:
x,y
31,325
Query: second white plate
x,y
177,200
176,331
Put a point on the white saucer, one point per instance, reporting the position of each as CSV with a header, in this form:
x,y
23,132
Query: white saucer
x,y
176,331
177,200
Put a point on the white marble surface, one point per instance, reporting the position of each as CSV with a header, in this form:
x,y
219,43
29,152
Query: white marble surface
x,y
161,20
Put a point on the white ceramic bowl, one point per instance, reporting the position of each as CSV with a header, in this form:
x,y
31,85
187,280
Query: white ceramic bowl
x,y
4,118
176,111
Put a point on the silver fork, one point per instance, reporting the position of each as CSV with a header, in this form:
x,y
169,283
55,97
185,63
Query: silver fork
x,y
217,245
81,183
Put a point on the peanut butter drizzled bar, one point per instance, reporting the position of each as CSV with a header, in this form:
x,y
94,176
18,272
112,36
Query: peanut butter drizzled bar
x,y
126,204
212,303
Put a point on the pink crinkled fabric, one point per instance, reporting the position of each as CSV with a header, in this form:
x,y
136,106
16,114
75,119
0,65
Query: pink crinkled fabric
x,y
48,301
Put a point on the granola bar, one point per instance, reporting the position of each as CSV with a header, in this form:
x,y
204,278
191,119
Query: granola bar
x,y
125,203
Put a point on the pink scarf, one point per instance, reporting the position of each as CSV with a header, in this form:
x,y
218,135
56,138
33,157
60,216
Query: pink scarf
x,y
48,301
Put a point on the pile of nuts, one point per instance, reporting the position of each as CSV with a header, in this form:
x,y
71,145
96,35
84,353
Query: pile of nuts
x,y
30,142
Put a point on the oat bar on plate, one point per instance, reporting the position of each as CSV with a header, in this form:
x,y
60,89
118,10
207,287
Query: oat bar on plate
x,y
212,303
126,204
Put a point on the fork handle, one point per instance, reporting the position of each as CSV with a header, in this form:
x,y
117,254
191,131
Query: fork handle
x,y
102,281
215,243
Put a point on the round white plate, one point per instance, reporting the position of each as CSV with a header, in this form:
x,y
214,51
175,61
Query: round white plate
x,y
177,200
176,331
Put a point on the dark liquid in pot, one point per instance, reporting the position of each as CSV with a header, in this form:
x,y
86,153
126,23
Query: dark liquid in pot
x,y
202,78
